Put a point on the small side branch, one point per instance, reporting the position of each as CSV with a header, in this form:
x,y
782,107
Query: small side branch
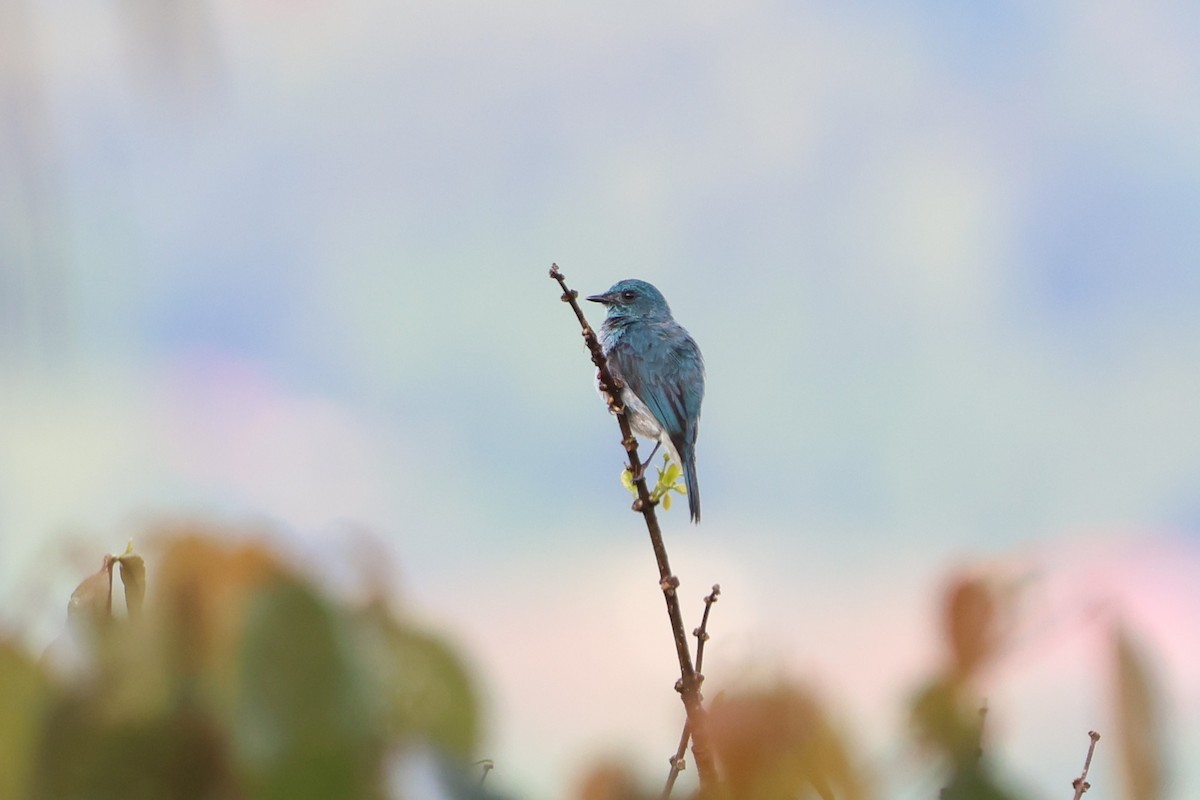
x,y
678,761
701,633
689,682
1081,784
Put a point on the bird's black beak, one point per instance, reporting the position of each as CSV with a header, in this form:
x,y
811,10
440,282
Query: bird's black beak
x,y
601,298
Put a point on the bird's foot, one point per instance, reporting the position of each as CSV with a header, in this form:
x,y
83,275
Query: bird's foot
x,y
640,472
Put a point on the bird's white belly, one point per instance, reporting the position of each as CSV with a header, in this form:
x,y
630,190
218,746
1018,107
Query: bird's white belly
x,y
644,423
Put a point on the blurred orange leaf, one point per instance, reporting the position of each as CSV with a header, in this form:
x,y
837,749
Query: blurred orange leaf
x,y
1137,720
969,616
204,585
609,782
133,576
778,743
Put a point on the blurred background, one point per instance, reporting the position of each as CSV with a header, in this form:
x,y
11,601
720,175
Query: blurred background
x,y
284,264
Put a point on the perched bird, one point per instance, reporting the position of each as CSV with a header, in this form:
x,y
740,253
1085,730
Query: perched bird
x,y
662,369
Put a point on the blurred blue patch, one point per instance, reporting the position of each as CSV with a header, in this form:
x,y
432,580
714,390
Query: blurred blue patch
x,y
1106,241
232,295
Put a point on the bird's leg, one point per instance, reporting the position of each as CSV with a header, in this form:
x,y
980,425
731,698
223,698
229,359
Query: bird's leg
x,y
641,471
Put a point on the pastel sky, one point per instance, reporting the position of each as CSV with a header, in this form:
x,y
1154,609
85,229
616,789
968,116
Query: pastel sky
x,y
286,262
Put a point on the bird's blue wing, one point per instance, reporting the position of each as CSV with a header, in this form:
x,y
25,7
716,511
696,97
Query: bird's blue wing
x,y
665,369
662,365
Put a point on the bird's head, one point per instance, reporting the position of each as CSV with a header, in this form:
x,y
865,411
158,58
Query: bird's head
x,y
633,299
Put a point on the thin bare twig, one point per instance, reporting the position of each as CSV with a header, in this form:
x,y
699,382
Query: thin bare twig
x,y
678,761
689,683
701,633
1081,784
983,712
488,765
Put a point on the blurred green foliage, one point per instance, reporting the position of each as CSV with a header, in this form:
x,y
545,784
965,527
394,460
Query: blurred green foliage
x,y
238,677
235,677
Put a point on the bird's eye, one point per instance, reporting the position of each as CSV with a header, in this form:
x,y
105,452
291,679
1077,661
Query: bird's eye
x,y
628,295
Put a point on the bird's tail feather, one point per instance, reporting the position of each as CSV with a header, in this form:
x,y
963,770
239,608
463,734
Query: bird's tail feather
x,y
693,487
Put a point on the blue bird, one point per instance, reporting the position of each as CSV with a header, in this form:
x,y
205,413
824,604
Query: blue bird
x,y
662,369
